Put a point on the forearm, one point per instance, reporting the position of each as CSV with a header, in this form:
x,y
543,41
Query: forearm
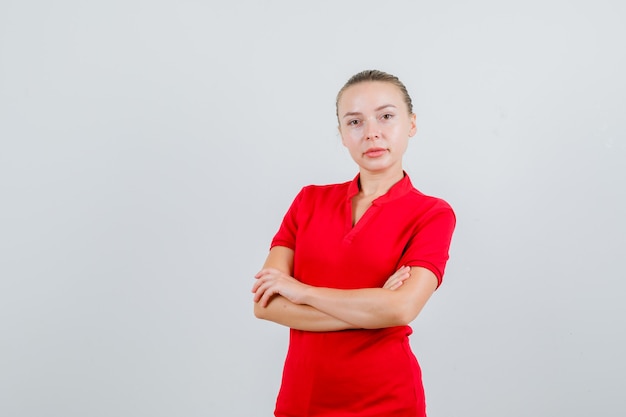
x,y
281,298
368,308
299,316
373,308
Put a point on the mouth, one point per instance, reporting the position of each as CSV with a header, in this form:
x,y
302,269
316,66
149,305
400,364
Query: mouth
x,y
374,152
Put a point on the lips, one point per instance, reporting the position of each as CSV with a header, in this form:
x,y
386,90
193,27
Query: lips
x,y
375,152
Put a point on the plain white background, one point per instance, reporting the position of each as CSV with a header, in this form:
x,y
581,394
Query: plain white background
x,y
149,150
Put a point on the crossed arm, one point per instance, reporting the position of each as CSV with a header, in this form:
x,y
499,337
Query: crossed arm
x,y
280,298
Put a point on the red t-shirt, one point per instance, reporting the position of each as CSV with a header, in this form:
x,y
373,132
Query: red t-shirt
x,y
358,372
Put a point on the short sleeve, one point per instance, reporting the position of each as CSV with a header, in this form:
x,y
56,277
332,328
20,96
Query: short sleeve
x,y
430,243
286,235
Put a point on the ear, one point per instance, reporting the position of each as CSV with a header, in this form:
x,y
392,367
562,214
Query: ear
x,y
413,125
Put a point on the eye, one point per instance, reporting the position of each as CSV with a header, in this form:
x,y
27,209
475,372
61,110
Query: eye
x,y
353,122
387,116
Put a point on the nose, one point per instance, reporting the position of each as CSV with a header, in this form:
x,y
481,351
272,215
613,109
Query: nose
x,y
372,130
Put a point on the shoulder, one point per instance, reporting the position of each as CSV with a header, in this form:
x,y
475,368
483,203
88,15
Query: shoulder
x,y
432,218
432,202
427,206
325,190
314,196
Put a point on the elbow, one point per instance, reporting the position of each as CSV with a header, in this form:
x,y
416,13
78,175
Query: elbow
x,y
400,318
407,305
259,312
404,314
406,317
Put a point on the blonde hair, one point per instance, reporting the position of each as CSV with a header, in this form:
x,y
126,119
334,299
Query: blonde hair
x,y
375,75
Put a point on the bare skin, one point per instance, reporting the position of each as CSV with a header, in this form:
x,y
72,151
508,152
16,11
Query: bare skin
x,y
375,127
281,298
282,310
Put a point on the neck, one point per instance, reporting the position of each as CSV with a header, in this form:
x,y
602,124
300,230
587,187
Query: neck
x,y
377,184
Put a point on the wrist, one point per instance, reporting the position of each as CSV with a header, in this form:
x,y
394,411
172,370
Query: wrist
x,y
308,295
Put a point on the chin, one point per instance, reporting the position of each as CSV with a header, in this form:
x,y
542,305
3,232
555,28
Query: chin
x,y
380,166
376,168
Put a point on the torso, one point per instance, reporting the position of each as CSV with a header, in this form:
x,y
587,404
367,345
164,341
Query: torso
x,y
343,239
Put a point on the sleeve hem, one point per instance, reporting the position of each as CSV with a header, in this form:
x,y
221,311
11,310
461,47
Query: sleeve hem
x,y
427,265
280,242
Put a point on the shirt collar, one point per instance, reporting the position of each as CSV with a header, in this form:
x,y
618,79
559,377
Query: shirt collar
x,y
397,190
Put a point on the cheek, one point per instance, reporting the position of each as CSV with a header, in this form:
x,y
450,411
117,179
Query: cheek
x,y
401,132
401,138
349,138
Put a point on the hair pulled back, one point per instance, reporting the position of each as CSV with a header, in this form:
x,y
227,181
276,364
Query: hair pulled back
x,y
375,75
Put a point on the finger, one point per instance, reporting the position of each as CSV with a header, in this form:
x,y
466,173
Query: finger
x,y
266,285
390,283
396,280
259,281
263,276
261,287
400,272
266,296
259,294
404,273
268,271
396,286
256,285
403,270
393,280
262,272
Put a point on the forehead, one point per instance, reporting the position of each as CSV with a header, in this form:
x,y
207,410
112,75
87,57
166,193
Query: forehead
x,y
371,93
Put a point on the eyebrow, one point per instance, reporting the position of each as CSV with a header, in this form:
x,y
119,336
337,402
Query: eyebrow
x,y
356,113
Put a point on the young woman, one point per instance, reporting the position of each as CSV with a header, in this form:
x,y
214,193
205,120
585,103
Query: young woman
x,y
353,264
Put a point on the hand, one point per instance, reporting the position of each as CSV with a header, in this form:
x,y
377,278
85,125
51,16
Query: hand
x,y
395,281
271,281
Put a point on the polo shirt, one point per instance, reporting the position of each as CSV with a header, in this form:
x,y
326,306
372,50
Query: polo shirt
x,y
360,372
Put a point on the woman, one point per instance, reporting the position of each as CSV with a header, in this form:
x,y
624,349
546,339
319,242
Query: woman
x,y
353,264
